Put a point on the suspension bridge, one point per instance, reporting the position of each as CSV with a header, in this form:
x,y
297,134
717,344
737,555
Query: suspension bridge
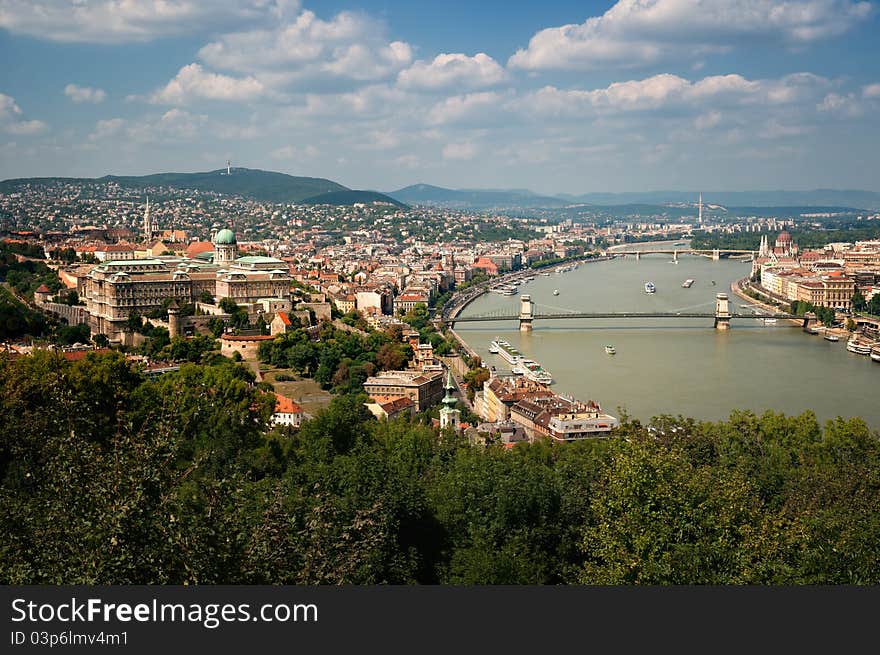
x,y
530,312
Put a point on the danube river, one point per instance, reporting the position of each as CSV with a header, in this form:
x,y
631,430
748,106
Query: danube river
x,y
676,366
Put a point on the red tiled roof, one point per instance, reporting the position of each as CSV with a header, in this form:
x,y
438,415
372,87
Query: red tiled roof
x,y
42,289
284,318
284,405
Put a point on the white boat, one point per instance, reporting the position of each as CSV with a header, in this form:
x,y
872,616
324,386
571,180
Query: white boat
x,y
649,287
545,274
555,292
854,346
687,283
518,370
831,337
493,346
769,321
508,352
875,354
610,350
534,371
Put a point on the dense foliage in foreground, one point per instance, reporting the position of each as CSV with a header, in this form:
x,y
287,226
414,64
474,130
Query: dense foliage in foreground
x,y
108,478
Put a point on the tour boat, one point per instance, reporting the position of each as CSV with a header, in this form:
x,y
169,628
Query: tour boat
x,y
811,330
508,352
610,350
831,337
858,348
493,346
534,371
687,283
769,321
875,354
649,287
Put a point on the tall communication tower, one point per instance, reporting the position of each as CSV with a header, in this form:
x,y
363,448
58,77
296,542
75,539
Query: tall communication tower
x,y
700,218
228,167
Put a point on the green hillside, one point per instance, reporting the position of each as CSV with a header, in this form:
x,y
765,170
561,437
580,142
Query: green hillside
x,y
266,186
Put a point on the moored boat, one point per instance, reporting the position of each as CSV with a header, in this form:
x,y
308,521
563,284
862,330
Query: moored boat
x,y
828,336
508,352
875,354
493,346
534,371
858,348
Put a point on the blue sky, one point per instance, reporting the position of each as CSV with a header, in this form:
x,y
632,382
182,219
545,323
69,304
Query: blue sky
x,y
552,96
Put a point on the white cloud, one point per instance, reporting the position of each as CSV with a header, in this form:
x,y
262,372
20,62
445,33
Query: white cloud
x,y
841,105
121,21
635,32
708,120
457,108
453,70
668,91
871,91
172,126
8,107
27,128
193,81
350,45
11,119
107,128
459,151
84,94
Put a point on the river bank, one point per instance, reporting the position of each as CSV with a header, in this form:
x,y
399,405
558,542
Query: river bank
x,y
674,366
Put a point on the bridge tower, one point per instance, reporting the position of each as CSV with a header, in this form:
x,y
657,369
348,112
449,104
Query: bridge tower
x,y
716,255
722,312
525,313
809,321
638,255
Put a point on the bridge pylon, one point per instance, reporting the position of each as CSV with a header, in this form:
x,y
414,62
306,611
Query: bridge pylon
x,y
716,255
675,255
526,313
638,255
722,312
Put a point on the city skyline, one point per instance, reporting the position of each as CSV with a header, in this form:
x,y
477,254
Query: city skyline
x,y
564,97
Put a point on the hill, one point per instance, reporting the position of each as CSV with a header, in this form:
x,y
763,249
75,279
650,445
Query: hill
x,y
266,186
426,194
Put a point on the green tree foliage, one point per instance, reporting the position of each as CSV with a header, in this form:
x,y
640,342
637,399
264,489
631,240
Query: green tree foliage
x,y
109,478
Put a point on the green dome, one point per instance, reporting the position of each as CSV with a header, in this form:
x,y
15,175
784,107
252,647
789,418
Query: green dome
x,y
224,237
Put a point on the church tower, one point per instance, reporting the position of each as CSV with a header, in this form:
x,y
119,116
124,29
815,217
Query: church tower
x,y
449,416
225,247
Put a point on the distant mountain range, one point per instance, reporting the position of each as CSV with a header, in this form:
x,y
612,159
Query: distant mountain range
x,y
260,185
426,194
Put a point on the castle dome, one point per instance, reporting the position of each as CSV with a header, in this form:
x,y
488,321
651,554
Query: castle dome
x,y
224,237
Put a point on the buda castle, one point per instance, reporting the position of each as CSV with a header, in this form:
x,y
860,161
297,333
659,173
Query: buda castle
x,y
113,290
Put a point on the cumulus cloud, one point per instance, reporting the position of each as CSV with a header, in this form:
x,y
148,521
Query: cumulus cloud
x,y
84,94
871,91
842,105
110,127
468,106
635,32
194,82
452,70
13,122
350,45
667,91
121,21
172,126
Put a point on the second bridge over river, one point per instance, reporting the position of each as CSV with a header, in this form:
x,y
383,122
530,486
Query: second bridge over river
x,y
530,312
